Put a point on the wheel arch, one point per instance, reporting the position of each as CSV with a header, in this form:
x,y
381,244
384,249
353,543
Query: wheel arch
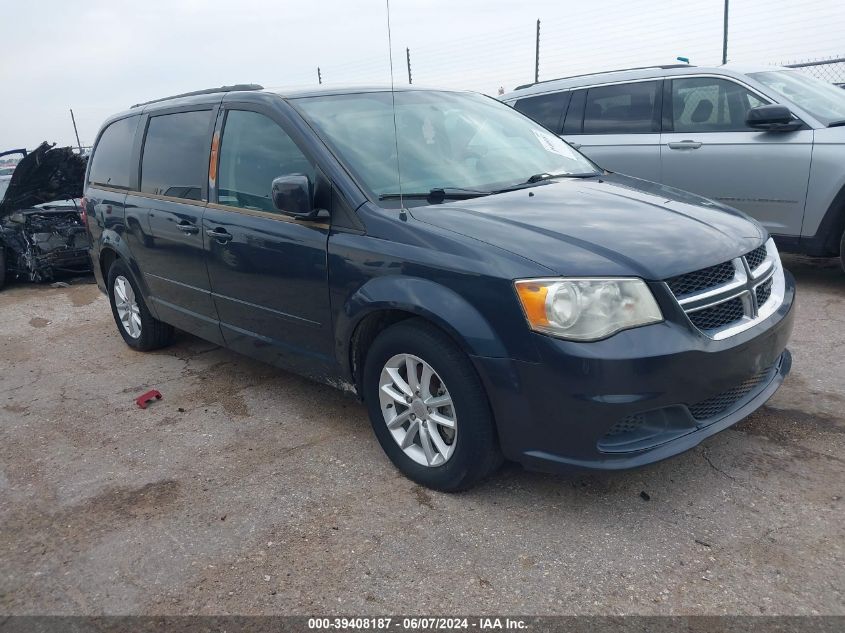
x,y
387,300
113,248
825,241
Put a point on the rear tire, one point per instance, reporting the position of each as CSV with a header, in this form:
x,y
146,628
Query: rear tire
x,y
139,329
458,456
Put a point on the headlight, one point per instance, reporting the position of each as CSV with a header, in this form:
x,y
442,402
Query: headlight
x,y
586,309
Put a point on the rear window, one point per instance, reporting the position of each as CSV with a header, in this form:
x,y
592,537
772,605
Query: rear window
x,y
546,110
622,109
175,159
110,164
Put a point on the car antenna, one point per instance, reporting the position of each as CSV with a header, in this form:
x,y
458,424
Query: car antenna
x,y
393,102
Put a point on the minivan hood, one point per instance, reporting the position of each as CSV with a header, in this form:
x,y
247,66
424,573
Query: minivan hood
x,y
603,226
46,174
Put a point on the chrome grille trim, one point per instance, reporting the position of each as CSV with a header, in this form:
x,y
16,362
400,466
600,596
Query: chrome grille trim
x,y
744,286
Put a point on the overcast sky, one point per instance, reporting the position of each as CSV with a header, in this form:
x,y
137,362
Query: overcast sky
x,y
100,56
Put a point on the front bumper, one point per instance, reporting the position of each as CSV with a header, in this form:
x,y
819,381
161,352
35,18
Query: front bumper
x,y
629,400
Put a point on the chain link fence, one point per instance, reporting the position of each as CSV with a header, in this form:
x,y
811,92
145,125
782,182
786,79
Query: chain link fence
x,y
832,70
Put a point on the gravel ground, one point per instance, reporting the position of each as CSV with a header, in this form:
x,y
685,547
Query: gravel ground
x,y
249,490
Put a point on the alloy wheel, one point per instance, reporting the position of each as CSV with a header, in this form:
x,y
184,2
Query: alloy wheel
x,y
127,307
418,410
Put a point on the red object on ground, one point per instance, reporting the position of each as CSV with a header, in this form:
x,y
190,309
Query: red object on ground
x,y
144,399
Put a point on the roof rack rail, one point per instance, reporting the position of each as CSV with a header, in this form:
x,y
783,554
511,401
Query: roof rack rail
x,y
604,72
232,88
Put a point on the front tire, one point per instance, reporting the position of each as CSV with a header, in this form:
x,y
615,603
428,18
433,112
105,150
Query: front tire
x,y
428,407
139,329
842,251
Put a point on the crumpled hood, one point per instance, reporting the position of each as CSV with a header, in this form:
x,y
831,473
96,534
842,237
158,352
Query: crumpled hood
x,y
45,175
612,225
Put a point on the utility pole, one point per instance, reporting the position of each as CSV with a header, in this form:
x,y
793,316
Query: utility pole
x,y
537,55
319,76
75,131
408,58
725,36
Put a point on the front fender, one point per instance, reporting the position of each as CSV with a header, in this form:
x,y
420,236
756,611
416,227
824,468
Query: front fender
x,y
441,305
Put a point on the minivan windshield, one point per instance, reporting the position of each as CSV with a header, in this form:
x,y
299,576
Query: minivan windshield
x,y
823,100
446,140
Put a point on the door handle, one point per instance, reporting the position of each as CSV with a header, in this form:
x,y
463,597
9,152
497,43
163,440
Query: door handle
x,y
685,145
221,235
187,227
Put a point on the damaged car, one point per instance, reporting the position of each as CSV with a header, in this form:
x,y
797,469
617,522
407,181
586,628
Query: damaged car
x,y
42,228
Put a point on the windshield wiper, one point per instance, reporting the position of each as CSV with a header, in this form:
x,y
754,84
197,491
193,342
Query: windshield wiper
x,y
839,123
437,195
537,179
541,177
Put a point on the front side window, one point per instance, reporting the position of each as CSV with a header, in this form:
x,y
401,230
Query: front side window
x,y
253,152
709,104
175,159
547,110
622,109
110,164
445,140
823,100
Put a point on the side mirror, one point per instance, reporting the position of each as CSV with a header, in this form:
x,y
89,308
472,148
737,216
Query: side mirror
x,y
772,118
292,195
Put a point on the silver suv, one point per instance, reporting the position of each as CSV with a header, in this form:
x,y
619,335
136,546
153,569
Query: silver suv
x,y
769,141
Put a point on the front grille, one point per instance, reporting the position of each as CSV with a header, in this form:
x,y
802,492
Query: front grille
x,y
719,315
730,291
764,291
756,257
726,400
701,279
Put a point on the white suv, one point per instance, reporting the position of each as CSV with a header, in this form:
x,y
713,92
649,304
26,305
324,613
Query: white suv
x,y
769,141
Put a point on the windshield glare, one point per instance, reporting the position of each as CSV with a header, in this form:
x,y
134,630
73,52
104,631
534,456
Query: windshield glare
x,y
445,140
823,100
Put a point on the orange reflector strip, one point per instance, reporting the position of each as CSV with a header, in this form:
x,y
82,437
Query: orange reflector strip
x,y
212,163
533,298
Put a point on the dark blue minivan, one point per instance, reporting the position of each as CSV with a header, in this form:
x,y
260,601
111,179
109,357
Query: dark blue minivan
x,y
486,290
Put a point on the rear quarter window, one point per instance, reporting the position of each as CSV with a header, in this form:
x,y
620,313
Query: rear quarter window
x,y
111,162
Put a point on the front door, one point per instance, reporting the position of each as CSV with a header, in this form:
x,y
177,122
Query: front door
x,y
268,271
709,150
164,220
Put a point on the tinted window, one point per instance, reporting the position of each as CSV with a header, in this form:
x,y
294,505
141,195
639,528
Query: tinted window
x,y
546,110
621,109
575,113
707,104
110,163
254,151
175,159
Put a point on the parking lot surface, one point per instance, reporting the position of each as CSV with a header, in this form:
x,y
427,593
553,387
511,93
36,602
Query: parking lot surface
x,y
250,490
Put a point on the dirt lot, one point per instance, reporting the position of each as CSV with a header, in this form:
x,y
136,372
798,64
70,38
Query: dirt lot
x,y
250,490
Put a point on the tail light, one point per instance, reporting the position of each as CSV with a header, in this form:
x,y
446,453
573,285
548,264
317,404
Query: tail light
x,y
83,211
